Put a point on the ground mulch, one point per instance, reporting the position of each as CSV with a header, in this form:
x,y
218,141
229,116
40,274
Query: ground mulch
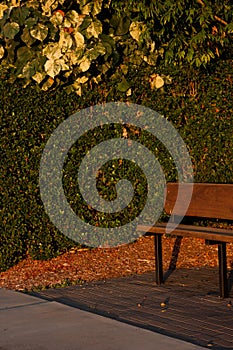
x,y
87,265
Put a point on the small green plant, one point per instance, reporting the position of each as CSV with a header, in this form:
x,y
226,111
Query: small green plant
x,y
66,283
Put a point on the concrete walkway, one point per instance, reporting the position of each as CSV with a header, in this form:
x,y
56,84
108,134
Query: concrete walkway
x,y
30,323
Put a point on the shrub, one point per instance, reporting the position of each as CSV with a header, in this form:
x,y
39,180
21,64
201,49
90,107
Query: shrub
x,y
198,103
75,43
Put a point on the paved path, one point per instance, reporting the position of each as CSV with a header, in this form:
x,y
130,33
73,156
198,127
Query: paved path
x,y
31,323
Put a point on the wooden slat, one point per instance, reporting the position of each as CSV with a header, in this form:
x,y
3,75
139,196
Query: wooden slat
x,y
215,234
208,200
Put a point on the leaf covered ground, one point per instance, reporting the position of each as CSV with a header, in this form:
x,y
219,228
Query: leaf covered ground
x,y
77,266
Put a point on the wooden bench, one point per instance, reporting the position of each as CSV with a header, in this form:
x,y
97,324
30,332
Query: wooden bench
x,y
211,201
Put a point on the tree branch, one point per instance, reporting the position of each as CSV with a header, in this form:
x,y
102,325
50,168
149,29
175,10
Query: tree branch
x,y
215,17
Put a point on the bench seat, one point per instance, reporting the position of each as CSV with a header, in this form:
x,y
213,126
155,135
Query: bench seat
x,y
207,233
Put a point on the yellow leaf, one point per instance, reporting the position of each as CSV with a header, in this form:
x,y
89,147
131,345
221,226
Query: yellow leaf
x,y
74,19
94,29
82,80
78,88
84,64
129,92
2,9
79,40
65,41
73,57
52,68
40,32
156,81
1,51
48,7
56,18
151,59
52,51
38,77
125,134
136,29
48,84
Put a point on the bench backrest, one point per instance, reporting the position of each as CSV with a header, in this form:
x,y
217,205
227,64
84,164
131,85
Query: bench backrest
x,y
208,200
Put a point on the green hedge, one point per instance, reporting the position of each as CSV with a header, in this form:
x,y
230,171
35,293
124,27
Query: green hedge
x,y
198,103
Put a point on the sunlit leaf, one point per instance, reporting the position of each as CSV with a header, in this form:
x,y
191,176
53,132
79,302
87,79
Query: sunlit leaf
x,y
40,32
97,79
124,68
52,51
48,84
52,68
84,64
65,41
82,80
93,7
79,40
94,29
38,77
63,64
97,6
57,18
73,57
77,87
49,6
151,59
1,51
136,29
105,67
2,9
156,81
33,4
73,18
129,92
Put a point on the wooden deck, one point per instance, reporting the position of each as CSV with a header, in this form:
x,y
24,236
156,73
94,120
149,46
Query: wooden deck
x,y
186,307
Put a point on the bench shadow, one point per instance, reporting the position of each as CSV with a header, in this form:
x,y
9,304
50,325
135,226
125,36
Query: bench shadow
x,y
174,258
230,280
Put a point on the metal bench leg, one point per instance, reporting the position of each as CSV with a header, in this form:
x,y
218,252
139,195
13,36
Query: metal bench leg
x,y
222,260
158,260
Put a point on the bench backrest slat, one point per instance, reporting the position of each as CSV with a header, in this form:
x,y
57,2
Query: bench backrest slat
x,y
208,200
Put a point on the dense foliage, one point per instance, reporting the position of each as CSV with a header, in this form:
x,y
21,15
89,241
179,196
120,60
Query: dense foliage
x,y
197,103
170,56
53,42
